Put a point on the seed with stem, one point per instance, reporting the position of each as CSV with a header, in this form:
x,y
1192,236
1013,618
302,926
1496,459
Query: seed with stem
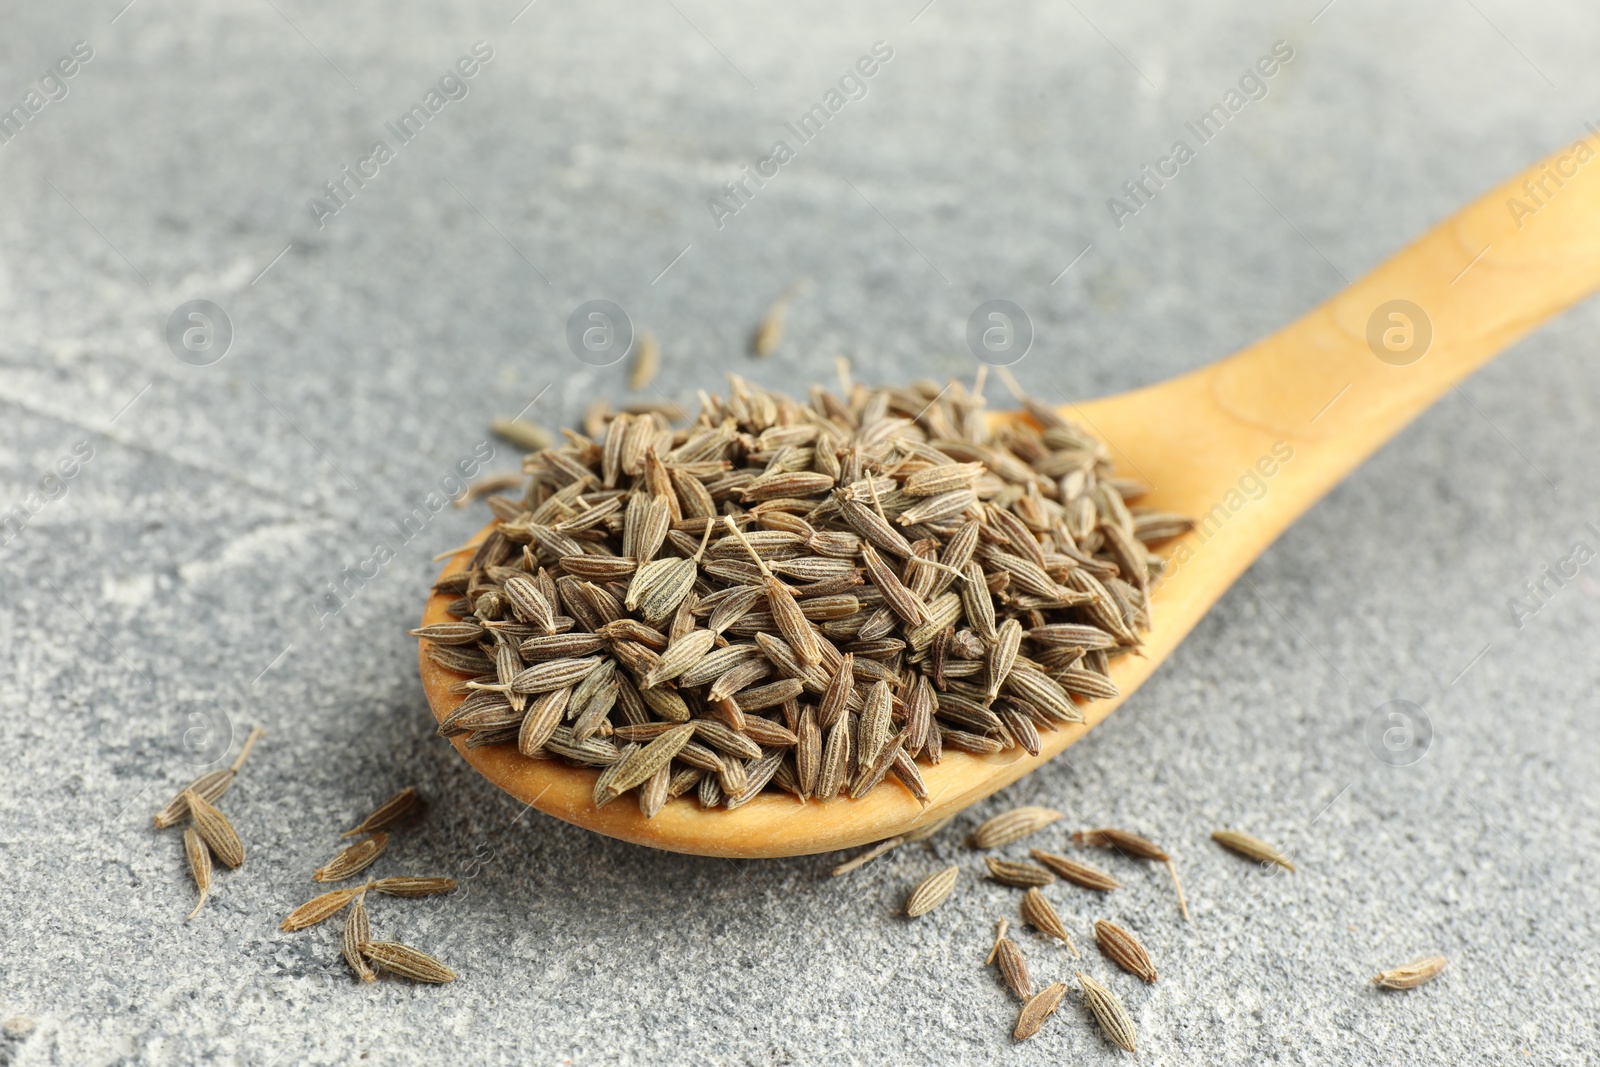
x,y
199,866
1039,913
1013,968
388,813
1251,848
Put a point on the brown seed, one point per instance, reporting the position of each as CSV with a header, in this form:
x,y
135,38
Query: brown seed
x,y
1038,689
412,886
1039,913
357,931
979,605
934,508
905,769
1410,975
215,829
317,909
871,525
786,484
770,331
902,601
1109,1013
1123,949
875,722
679,657
1019,875
649,759
872,773
836,759
353,859
199,866
554,674
1132,844
523,435
406,961
1011,826
529,602
1122,841
450,633
646,361
209,786
1003,656
388,813
1251,848
941,479
932,891
836,697
540,722
1013,968
807,752
1038,1008
1077,873
653,793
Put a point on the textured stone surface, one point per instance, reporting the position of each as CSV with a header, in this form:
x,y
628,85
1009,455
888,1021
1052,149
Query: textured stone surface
x,y
178,573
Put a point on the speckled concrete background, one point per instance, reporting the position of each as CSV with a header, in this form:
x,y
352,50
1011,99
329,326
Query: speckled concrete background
x,y
170,590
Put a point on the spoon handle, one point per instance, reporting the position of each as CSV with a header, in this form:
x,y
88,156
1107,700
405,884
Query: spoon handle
x,y
1372,358
1247,444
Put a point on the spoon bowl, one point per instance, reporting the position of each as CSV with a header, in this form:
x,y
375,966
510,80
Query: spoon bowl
x,y
1244,445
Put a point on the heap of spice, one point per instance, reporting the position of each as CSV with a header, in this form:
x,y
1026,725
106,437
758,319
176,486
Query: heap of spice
x,y
814,597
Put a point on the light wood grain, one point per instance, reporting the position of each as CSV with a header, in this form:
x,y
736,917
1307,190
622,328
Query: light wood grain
x,y
1315,389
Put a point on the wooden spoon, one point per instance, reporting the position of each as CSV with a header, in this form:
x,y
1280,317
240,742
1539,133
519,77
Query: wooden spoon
x,y
1244,445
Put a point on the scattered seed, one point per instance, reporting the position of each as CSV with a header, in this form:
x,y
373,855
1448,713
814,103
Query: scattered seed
x,y
388,813
1251,848
770,331
358,931
524,435
1013,968
317,909
646,361
209,786
1123,949
932,891
1410,975
1109,1013
1039,1008
412,886
1133,845
1020,875
1039,913
406,961
353,859
1077,873
199,866
215,829
1011,826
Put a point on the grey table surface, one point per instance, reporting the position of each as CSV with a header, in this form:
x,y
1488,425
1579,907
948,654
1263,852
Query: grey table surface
x,y
173,591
